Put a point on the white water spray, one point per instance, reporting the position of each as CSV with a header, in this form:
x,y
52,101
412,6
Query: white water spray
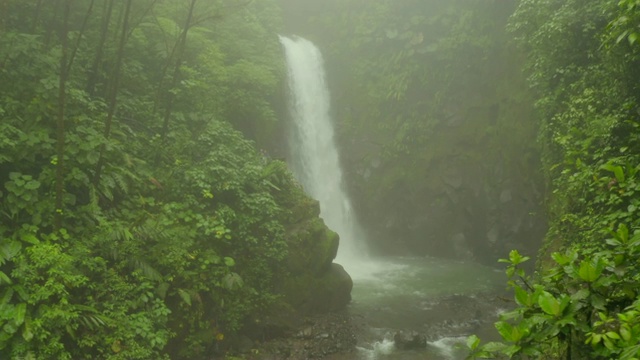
x,y
314,157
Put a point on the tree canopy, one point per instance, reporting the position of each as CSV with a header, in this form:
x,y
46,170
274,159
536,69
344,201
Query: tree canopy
x,y
135,221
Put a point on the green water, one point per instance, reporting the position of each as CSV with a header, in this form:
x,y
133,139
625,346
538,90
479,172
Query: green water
x,y
445,300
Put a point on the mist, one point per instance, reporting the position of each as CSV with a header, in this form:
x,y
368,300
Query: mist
x,y
339,179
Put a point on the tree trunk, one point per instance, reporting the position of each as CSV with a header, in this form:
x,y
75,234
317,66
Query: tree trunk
x,y
113,90
80,35
92,77
182,42
64,74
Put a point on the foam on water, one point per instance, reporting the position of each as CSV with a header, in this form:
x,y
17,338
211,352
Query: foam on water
x,y
379,348
448,347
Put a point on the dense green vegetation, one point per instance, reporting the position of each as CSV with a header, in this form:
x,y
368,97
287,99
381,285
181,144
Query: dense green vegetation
x,y
135,221
138,221
584,304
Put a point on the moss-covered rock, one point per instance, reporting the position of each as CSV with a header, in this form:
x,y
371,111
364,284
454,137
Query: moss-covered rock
x,y
312,294
311,283
312,247
314,284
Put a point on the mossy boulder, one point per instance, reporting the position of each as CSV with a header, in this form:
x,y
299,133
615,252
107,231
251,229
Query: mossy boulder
x,y
312,294
312,247
312,283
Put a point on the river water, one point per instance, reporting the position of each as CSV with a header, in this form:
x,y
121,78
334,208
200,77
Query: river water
x,y
444,300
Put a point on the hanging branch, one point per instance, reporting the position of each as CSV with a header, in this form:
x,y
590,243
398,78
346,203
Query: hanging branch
x,y
141,17
165,68
178,48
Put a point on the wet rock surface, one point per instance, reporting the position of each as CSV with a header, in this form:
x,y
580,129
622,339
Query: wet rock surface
x,y
318,337
407,340
461,315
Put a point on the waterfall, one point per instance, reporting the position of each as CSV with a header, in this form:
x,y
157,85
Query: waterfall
x,y
314,155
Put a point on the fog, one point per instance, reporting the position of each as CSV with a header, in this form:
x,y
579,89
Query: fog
x,y
434,123
436,139
338,179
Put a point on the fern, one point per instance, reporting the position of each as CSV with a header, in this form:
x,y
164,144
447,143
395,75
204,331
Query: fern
x,y
145,269
121,183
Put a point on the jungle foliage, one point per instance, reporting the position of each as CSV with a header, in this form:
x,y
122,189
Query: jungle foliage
x,y
135,221
584,303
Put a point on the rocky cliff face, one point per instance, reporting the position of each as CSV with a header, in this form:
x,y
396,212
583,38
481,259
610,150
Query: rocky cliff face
x,y
464,200
472,190
435,122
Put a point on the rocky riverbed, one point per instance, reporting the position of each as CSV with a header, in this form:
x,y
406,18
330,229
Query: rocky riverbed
x,y
350,335
318,337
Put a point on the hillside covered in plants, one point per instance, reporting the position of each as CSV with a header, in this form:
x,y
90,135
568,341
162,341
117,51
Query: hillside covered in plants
x,y
582,61
136,220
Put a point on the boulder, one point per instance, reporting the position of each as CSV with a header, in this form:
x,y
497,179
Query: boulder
x,y
408,340
309,283
312,247
332,291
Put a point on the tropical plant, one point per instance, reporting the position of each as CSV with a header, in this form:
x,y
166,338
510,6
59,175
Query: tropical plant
x,y
135,222
585,303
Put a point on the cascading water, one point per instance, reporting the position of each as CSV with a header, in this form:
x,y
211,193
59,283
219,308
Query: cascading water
x,y
315,159
439,297
419,294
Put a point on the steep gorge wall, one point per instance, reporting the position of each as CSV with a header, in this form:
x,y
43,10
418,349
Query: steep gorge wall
x,y
435,123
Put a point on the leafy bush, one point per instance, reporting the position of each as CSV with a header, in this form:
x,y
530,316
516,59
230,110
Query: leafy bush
x,y
585,306
169,233
585,303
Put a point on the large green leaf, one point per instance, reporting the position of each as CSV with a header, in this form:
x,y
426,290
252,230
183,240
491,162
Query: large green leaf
x,y
232,281
522,296
5,279
507,331
473,341
549,304
591,269
185,296
27,334
9,249
617,170
630,353
20,311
